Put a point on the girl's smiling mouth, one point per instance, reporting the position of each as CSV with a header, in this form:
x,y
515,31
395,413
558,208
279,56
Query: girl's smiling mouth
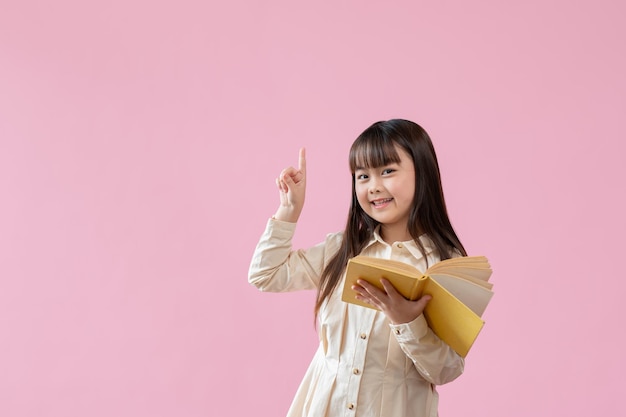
x,y
382,202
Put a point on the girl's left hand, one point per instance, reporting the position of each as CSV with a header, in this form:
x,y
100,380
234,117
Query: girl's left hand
x,y
398,309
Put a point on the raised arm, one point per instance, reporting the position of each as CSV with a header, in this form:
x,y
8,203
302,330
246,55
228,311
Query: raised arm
x,y
275,265
292,189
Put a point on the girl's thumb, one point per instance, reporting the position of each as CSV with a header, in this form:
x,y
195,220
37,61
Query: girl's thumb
x,y
424,300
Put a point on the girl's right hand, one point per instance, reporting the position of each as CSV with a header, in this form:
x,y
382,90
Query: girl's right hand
x,y
292,186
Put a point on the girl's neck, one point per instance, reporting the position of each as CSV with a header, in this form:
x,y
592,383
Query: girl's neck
x,y
391,234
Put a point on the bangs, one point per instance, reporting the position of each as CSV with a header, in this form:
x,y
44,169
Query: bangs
x,y
372,151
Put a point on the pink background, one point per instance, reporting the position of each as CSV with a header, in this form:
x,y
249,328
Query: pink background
x,y
139,142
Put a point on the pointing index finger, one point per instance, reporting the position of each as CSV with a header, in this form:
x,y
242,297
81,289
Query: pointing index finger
x,y
302,160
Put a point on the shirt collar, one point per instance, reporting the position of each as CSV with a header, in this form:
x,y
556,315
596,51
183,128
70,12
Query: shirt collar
x,y
428,244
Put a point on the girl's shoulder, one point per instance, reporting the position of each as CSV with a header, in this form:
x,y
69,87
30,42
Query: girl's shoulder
x,y
334,237
333,242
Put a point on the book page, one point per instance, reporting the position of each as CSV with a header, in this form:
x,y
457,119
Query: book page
x,y
473,268
473,275
473,296
463,261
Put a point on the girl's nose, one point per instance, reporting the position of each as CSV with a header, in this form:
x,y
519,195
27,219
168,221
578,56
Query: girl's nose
x,y
374,187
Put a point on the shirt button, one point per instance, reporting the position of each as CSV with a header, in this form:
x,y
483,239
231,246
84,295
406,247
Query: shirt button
x,y
398,331
356,371
363,336
399,245
350,406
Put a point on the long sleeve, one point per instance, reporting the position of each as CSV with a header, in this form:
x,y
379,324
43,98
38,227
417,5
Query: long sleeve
x,y
276,267
433,359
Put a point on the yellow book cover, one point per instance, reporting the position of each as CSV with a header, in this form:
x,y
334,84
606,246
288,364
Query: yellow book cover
x,y
459,287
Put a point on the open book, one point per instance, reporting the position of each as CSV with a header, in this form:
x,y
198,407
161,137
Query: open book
x,y
459,287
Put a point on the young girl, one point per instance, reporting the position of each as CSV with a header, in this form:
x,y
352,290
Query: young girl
x,y
384,362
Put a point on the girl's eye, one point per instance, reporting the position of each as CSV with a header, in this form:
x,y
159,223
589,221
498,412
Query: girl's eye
x,y
361,177
388,171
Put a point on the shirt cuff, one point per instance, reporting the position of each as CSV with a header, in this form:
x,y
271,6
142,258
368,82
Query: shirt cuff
x,y
281,227
413,330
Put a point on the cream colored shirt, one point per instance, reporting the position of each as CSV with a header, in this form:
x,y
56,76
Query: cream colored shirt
x,y
364,366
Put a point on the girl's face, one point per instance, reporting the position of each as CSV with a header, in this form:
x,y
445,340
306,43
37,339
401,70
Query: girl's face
x,y
386,193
